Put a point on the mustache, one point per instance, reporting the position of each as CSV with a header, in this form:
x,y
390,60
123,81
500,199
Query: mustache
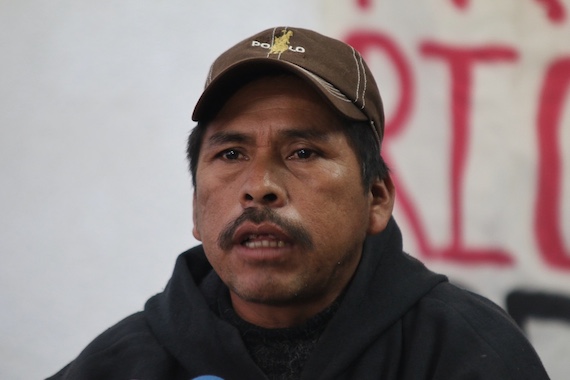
x,y
294,230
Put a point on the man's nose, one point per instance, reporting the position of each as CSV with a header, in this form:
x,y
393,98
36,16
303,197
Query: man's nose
x,y
263,184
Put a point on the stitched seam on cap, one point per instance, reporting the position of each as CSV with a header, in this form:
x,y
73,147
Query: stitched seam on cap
x,y
358,75
365,82
272,41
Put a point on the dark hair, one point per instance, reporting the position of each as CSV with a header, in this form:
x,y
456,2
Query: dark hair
x,y
360,135
363,140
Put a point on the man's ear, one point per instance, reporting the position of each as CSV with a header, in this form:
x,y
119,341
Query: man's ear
x,y
195,222
382,193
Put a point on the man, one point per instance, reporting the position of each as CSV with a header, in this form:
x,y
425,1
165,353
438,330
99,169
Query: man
x,y
301,272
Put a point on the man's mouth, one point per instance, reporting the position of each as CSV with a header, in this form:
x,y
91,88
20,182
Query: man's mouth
x,y
263,229
263,241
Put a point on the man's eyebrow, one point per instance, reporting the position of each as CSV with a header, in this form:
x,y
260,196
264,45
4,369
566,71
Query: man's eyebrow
x,y
306,134
224,137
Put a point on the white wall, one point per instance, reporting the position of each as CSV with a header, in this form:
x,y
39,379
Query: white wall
x,y
95,201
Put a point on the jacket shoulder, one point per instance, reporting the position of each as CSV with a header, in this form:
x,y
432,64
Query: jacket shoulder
x,y
466,335
127,350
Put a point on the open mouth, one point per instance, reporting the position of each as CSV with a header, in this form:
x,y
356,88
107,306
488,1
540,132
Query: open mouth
x,y
263,241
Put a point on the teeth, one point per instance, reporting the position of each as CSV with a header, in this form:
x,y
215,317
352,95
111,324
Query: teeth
x,y
265,244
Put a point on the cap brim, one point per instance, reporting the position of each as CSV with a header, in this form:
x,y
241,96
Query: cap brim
x,y
230,80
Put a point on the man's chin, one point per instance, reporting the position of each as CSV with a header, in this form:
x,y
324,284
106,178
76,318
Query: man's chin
x,y
270,294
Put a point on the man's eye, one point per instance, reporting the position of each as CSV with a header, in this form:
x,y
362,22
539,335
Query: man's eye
x,y
303,154
230,154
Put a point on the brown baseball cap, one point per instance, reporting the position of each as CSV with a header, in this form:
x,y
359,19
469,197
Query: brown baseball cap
x,y
335,69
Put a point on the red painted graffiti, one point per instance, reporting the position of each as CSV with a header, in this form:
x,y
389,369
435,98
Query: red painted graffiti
x,y
363,4
461,62
462,4
554,10
547,223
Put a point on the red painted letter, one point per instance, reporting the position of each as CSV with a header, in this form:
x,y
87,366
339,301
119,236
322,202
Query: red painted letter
x,y
554,9
547,223
461,62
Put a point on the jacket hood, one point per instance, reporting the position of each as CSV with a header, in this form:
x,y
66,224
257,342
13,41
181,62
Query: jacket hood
x,y
387,283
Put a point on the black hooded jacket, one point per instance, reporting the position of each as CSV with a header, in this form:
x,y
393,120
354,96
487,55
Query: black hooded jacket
x,y
397,321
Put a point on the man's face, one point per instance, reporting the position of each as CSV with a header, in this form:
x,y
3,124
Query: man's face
x,y
279,204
